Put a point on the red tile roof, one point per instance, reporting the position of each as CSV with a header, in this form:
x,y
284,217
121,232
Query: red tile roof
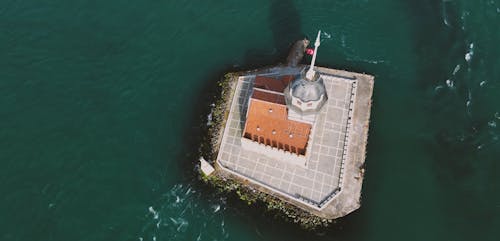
x,y
267,122
268,96
273,84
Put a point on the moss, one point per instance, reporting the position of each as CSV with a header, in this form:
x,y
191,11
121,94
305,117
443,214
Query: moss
x,y
219,114
273,205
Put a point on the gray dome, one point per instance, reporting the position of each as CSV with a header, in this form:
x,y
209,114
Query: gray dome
x,y
308,90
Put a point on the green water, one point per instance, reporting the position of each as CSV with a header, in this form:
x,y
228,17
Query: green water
x,y
102,104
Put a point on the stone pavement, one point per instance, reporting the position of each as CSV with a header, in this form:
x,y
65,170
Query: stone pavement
x,y
319,181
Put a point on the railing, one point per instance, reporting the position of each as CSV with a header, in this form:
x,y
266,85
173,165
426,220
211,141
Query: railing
x,y
298,198
346,137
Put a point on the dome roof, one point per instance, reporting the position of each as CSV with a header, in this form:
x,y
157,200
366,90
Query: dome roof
x,y
303,90
306,90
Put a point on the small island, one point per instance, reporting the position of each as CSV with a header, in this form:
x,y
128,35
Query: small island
x,y
292,136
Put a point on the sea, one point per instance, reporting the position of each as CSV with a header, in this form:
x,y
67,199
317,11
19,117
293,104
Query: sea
x,y
103,105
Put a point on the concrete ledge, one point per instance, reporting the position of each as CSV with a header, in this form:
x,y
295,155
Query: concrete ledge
x,y
348,200
342,200
206,168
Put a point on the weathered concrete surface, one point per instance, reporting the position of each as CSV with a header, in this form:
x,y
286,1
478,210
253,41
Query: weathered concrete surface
x,y
206,168
349,198
316,187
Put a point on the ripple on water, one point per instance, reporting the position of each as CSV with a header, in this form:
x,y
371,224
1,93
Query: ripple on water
x,y
179,214
450,83
492,123
456,69
470,53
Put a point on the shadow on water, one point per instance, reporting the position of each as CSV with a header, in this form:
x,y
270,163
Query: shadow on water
x,y
284,21
285,24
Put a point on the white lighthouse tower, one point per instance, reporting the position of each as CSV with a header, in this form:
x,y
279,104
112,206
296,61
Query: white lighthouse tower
x,y
306,94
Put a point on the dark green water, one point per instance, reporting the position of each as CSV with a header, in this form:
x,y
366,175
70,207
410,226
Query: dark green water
x,y
102,104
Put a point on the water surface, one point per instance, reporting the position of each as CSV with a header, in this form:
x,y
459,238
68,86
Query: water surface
x,y
102,104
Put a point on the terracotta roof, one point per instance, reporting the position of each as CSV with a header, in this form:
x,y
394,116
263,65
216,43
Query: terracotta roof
x,y
273,84
268,123
268,96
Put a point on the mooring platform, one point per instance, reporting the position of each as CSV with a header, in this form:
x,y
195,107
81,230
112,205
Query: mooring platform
x,y
329,185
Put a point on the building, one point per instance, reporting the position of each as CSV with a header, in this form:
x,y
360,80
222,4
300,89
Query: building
x,y
268,129
298,133
281,113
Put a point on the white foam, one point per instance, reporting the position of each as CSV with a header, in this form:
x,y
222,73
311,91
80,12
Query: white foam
x,y
188,191
209,119
468,56
445,21
457,68
179,204
216,208
325,35
470,52
375,61
154,212
469,98
450,83
445,16
223,229
182,225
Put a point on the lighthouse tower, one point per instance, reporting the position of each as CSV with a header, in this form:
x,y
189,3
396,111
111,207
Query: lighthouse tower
x,y
306,94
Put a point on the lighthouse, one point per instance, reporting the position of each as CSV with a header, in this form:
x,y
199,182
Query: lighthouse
x,y
306,94
297,133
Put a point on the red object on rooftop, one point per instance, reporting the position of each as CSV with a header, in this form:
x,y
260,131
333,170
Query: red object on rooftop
x,y
310,51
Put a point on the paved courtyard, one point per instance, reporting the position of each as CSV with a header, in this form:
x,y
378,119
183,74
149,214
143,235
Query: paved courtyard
x,y
321,178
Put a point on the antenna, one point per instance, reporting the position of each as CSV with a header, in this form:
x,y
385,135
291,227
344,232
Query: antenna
x,y
310,73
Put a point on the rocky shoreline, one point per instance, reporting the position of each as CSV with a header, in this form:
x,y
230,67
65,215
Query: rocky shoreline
x,y
226,183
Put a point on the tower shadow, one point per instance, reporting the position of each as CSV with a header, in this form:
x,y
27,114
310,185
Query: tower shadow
x,y
285,24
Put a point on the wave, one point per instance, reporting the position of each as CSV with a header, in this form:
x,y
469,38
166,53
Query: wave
x,y
470,53
325,35
445,14
179,214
